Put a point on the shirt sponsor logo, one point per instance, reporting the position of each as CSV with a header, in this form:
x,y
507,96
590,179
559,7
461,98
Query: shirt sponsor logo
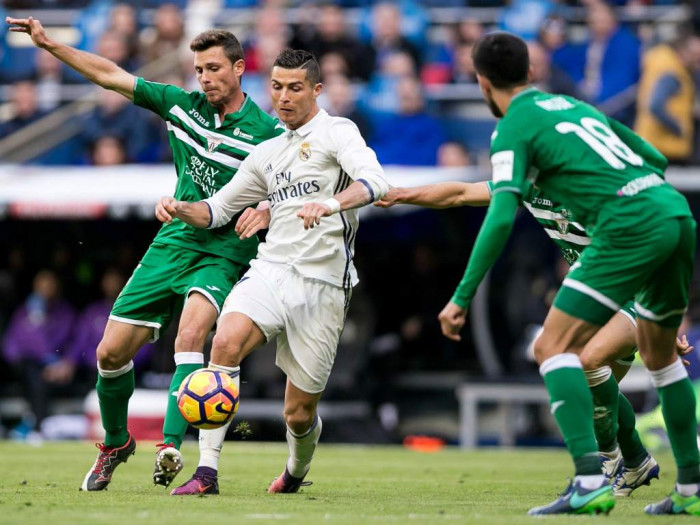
x,y
200,118
291,191
238,133
502,165
203,175
555,104
305,151
638,185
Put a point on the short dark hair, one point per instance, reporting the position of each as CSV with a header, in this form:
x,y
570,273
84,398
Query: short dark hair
x,y
218,37
300,59
502,58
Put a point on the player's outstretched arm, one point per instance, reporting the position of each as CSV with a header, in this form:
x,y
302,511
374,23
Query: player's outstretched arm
x,y
95,68
439,195
195,213
354,196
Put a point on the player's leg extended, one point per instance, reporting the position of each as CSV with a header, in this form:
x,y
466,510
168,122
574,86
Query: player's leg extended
x,y
303,432
657,347
556,350
115,385
236,336
197,319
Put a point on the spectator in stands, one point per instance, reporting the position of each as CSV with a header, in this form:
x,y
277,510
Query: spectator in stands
x,y
113,46
524,17
463,71
338,100
166,35
108,151
49,77
387,38
331,35
667,96
547,76
607,66
91,323
552,34
453,155
123,20
23,107
116,118
36,343
410,137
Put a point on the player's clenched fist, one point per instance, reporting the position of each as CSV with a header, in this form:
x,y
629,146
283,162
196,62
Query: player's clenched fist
x,y
166,209
452,319
312,212
30,26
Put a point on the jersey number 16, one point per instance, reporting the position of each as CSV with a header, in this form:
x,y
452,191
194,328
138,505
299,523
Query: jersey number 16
x,y
603,141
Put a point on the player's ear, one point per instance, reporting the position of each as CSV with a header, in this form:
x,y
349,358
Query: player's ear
x,y
317,89
239,67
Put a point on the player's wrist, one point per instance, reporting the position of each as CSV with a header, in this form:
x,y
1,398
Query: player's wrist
x,y
333,204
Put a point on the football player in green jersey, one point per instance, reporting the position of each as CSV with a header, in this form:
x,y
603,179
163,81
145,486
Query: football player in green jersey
x,y
610,352
642,246
185,269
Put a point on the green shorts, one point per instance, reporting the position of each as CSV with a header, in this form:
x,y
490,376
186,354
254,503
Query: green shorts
x,y
653,264
161,282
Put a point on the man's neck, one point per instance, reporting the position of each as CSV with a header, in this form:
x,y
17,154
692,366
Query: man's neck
x,y
504,98
231,106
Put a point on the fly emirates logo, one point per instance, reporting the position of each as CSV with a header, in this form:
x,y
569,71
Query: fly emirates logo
x,y
286,189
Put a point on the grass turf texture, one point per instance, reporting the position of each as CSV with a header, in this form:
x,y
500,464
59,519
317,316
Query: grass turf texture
x,y
352,485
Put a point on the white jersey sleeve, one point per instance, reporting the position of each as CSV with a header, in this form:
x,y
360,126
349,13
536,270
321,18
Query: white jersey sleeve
x,y
357,159
246,188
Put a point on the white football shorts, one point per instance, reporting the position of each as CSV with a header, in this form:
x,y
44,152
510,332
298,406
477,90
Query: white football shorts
x,y
305,315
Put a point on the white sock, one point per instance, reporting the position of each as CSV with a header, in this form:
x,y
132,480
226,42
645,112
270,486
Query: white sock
x,y
302,447
590,482
686,489
211,441
189,358
110,374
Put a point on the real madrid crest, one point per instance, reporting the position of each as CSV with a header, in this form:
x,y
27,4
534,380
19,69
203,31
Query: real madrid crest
x,y
305,151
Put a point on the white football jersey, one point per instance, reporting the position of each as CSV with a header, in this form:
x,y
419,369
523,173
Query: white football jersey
x,y
309,164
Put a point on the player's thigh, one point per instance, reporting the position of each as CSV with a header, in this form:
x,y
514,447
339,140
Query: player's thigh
x,y
664,297
210,276
611,270
148,298
561,333
120,342
615,340
307,348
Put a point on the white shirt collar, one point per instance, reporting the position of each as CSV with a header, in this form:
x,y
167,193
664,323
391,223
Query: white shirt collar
x,y
307,128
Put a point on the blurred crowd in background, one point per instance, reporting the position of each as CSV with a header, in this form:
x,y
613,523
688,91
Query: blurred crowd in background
x,y
403,73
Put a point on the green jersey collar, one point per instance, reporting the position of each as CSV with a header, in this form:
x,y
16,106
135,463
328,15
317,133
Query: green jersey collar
x,y
532,90
232,117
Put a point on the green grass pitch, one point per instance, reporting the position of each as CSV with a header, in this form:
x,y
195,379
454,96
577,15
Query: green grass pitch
x,y
352,485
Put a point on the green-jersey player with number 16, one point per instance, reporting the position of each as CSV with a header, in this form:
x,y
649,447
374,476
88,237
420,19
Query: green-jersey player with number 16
x,y
642,247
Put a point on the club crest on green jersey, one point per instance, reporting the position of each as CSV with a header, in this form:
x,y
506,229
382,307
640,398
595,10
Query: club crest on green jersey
x,y
213,143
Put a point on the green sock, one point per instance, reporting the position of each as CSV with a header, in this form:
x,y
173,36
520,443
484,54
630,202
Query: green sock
x,y
113,394
175,426
572,406
678,405
605,413
631,446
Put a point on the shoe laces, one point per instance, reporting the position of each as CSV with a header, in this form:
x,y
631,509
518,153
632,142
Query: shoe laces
x,y
161,446
102,457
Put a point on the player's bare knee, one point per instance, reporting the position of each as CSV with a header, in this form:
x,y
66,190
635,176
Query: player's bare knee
x,y
190,339
110,356
225,345
541,349
591,359
299,417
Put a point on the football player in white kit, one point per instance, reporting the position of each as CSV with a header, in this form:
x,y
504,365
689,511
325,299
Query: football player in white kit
x,y
299,285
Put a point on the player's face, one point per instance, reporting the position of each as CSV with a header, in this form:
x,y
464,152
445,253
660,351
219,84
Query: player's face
x,y
218,77
293,96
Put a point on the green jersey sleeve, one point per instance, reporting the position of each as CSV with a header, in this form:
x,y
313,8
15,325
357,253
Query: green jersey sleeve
x,y
157,97
510,159
649,153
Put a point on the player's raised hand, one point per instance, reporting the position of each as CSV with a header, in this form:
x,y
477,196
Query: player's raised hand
x,y
683,348
452,319
312,212
252,221
30,26
166,209
391,198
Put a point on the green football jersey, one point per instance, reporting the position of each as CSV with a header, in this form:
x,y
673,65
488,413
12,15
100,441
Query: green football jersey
x,y
558,222
207,154
598,169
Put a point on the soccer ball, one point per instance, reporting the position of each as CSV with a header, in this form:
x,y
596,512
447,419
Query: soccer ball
x,y
207,398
